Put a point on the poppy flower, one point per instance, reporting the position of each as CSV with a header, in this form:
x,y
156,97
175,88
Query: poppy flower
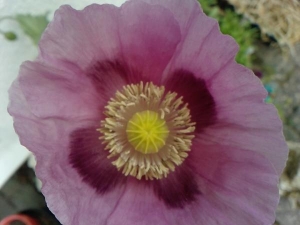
x,y
140,114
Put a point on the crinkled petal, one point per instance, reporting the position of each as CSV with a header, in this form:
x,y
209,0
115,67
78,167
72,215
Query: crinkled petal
x,y
142,35
149,36
236,187
58,93
203,50
138,205
72,201
234,181
79,38
184,12
243,119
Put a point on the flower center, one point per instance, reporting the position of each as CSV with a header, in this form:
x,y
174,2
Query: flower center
x,y
147,132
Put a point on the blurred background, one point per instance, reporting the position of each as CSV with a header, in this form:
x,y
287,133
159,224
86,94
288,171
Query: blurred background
x,y
268,32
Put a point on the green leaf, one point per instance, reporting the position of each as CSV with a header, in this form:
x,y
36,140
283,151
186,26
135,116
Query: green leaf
x,y
232,24
33,26
11,36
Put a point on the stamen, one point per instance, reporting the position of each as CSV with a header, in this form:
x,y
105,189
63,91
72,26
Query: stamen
x,y
147,132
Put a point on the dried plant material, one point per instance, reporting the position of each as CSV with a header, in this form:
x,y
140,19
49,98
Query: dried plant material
x,y
278,18
290,179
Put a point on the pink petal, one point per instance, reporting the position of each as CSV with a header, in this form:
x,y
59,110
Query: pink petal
x,y
242,117
238,186
105,34
203,50
79,38
149,37
184,13
59,93
71,200
138,205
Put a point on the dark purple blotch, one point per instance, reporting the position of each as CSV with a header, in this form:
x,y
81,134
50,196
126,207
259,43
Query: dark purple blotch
x,y
178,189
90,160
109,76
195,92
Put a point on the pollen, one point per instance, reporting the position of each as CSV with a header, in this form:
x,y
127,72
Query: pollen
x,y
147,131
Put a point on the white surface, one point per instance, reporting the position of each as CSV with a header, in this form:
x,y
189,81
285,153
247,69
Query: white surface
x,y
12,54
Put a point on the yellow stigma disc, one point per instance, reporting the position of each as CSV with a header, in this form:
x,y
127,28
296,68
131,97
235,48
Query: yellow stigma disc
x,y
146,132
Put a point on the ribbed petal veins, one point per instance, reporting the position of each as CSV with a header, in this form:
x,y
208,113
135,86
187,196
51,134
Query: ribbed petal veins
x,y
89,158
89,35
149,37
